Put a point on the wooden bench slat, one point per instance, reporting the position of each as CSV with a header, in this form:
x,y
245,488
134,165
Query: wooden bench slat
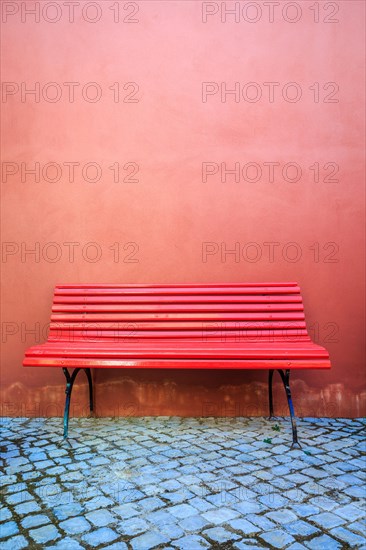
x,y
207,299
175,291
178,325
218,336
183,350
176,317
179,363
178,308
176,285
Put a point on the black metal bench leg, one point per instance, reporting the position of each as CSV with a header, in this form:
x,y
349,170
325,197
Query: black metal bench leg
x,y
69,384
285,376
270,395
90,381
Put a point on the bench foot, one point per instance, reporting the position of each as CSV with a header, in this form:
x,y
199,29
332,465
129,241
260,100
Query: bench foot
x,y
70,379
285,377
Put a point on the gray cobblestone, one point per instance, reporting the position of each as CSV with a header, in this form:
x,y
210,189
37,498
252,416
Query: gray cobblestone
x,y
15,487
191,541
247,544
193,523
67,510
243,526
277,538
220,515
8,529
116,546
304,510
148,540
101,518
219,534
151,503
327,520
350,512
97,502
34,521
282,516
44,534
358,527
324,542
171,530
15,543
134,526
178,496
5,514
355,491
182,511
34,457
301,528
74,526
126,511
18,498
101,536
66,544
262,522
27,508
274,501
182,483
245,506
347,536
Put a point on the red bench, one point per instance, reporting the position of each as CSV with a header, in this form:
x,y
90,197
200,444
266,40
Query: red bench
x,y
195,326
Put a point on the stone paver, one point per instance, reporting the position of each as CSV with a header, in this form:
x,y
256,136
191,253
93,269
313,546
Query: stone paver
x,y
243,526
7,529
219,534
45,534
34,521
148,540
15,543
101,536
278,538
101,518
324,542
66,544
182,483
182,511
349,537
74,526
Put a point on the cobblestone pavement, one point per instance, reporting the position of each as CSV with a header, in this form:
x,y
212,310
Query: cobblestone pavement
x,y
189,483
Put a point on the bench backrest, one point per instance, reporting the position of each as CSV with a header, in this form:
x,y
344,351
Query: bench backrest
x,y
223,312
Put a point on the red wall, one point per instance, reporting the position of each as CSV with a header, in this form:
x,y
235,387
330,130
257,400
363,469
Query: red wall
x,y
168,124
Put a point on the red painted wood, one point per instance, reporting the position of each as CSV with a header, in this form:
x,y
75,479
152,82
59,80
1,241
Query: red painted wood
x,y
178,292
283,334
180,285
179,308
182,350
246,326
174,319
169,325
178,299
178,364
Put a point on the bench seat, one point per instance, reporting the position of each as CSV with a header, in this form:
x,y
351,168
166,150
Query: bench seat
x,y
171,354
191,326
